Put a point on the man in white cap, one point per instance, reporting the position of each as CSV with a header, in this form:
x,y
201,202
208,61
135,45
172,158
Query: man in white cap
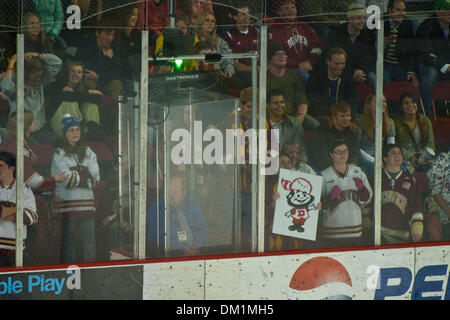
x,y
356,40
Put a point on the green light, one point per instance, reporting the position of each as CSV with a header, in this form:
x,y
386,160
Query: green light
x,y
178,64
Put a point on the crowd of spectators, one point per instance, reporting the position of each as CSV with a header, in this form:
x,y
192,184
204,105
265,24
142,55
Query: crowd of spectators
x,y
313,70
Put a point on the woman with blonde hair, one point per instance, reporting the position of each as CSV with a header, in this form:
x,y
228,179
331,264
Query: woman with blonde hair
x,y
366,128
222,72
35,39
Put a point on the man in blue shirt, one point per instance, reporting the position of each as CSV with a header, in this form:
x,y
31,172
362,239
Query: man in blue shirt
x,y
187,229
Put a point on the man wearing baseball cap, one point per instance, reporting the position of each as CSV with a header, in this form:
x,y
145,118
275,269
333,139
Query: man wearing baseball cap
x,y
279,77
434,50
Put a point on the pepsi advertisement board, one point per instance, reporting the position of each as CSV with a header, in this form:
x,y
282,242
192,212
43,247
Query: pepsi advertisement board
x,y
414,273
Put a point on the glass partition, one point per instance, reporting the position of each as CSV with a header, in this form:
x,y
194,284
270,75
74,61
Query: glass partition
x,y
200,199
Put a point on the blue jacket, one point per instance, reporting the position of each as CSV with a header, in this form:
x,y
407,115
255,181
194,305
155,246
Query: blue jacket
x,y
194,217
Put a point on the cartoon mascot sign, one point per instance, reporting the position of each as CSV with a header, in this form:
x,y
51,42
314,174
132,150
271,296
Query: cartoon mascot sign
x,y
296,212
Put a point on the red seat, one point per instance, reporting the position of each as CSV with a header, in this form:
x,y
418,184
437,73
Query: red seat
x,y
101,150
4,112
44,153
362,91
440,92
234,92
395,89
421,181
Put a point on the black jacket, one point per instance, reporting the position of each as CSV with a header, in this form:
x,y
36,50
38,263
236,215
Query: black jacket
x,y
318,92
406,44
431,39
360,54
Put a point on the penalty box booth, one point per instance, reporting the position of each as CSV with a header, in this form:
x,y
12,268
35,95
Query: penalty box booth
x,y
185,101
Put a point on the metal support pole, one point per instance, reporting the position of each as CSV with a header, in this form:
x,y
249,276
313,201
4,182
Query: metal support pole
x,y
19,151
254,185
166,184
158,203
172,14
143,129
120,161
378,135
262,146
237,180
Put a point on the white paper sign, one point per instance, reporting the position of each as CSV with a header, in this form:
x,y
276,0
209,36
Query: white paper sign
x,y
296,213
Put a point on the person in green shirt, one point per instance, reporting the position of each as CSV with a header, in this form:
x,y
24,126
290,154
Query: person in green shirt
x,y
279,77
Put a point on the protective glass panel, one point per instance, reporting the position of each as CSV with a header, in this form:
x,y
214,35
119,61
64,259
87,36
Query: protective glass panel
x,y
200,206
335,52
74,75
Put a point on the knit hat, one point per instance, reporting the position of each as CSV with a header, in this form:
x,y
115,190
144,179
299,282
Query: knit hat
x,y
442,4
355,9
272,50
69,121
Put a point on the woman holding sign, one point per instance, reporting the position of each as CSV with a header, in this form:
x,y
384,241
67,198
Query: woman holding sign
x,y
345,191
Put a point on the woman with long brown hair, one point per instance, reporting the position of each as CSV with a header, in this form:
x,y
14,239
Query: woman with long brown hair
x,y
366,128
35,39
129,39
414,133
75,202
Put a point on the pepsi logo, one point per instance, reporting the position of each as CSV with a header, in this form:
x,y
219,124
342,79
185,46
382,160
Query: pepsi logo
x,y
321,278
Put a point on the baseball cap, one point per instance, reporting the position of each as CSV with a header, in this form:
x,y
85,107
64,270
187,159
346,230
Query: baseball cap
x,y
355,9
272,50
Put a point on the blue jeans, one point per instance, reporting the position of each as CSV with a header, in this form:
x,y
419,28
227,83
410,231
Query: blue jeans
x,y
428,77
78,239
303,74
391,72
